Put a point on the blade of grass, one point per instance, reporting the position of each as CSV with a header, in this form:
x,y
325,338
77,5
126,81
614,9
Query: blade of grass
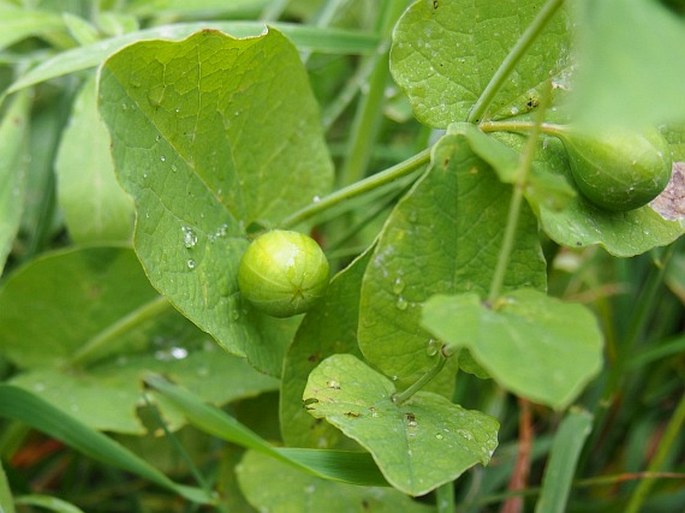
x,y
48,502
19,404
6,502
558,478
346,466
326,40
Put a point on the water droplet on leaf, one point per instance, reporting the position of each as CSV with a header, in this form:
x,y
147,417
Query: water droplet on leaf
x,y
191,264
401,303
189,237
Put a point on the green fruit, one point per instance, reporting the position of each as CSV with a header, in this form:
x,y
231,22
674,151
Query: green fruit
x,y
621,170
283,273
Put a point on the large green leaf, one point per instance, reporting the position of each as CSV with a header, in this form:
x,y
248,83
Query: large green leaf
x,y
290,490
631,64
445,52
419,444
444,236
208,141
95,207
329,328
102,328
534,345
62,300
13,163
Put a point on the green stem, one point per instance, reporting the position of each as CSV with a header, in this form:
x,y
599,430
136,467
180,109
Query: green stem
x,y
357,189
509,63
672,432
516,202
93,348
521,127
402,397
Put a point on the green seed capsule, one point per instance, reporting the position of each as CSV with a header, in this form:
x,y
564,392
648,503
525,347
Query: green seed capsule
x,y
283,273
619,171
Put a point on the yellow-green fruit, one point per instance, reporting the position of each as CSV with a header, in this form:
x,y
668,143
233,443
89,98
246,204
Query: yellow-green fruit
x,y
283,273
620,170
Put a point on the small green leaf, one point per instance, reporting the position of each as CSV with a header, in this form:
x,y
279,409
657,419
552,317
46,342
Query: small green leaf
x,y
418,445
534,345
13,163
291,490
208,142
329,328
443,236
95,207
445,52
627,76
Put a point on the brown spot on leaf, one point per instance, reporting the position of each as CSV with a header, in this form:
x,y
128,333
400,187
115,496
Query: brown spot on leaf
x,y
670,204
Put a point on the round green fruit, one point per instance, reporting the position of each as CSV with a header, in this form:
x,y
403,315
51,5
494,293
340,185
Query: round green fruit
x,y
620,170
283,273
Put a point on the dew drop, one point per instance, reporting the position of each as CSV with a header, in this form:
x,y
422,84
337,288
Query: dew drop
x,y
465,434
333,384
398,285
316,199
158,138
433,347
162,158
401,303
189,237
191,264
439,436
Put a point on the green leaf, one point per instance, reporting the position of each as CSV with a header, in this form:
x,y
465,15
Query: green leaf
x,y
631,65
291,490
533,345
329,328
418,445
326,40
444,236
6,501
17,24
13,163
78,292
48,502
344,466
561,466
101,329
95,207
208,142
18,404
444,53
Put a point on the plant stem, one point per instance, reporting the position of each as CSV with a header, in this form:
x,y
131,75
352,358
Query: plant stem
x,y
357,189
107,337
673,429
520,126
516,201
519,50
404,396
